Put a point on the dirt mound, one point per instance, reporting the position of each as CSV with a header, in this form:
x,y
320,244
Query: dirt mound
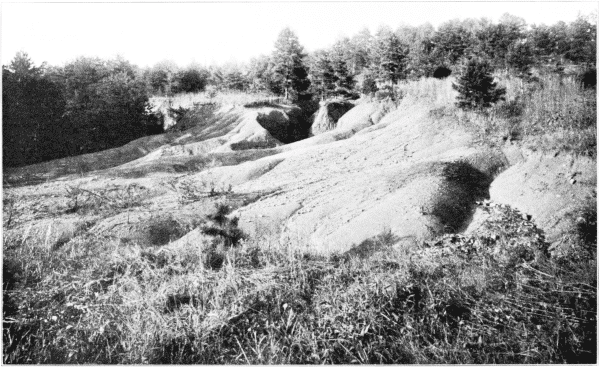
x,y
552,188
412,175
361,116
326,118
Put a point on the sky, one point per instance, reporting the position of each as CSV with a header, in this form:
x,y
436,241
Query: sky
x,y
227,31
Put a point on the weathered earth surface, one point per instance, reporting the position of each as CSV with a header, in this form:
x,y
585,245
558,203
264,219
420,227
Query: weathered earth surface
x,y
403,170
326,118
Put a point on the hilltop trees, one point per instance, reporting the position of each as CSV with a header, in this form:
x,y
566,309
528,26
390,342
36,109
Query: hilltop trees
x,y
289,71
103,103
161,77
389,57
260,76
107,104
322,74
192,79
520,58
31,112
582,36
329,73
87,105
451,42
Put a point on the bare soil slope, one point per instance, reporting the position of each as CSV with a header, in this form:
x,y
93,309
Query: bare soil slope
x,y
407,171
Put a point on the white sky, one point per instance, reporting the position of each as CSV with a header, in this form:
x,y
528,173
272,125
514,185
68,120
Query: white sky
x,y
217,32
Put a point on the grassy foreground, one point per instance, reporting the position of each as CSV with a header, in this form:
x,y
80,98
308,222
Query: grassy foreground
x,y
492,298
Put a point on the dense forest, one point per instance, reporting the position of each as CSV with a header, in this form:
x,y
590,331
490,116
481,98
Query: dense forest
x,y
90,104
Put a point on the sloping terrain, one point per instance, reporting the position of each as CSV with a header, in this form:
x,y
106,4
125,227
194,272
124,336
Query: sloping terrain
x,y
395,236
379,169
227,130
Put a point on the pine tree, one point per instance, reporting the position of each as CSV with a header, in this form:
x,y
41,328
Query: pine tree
x,y
476,86
389,57
520,59
343,81
322,74
288,65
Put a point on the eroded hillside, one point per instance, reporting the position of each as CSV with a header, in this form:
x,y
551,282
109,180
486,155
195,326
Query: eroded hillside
x,y
379,168
216,226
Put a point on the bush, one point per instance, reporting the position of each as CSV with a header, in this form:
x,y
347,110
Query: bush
x,y
476,86
160,231
201,114
588,78
190,80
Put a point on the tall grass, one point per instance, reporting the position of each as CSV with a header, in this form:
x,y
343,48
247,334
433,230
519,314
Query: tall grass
x,y
434,93
548,113
560,113
491,298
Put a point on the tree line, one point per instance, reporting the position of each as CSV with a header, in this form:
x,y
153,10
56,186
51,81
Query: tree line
x,y
367,62
91,104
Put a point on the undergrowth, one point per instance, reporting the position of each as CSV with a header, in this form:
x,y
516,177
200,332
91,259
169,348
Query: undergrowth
x,y
109,199
496,296
551,112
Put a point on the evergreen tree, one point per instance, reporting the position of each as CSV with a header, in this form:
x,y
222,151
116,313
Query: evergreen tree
x,y
163,77
343,81
520,59
495,41
420,58
543,43
582,42
321,74
452,41
476,87
360,55
288,65
389,57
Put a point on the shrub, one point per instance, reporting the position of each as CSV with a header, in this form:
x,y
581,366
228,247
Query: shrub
x,y
244,145
588,78
476,86
200,114
160,231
